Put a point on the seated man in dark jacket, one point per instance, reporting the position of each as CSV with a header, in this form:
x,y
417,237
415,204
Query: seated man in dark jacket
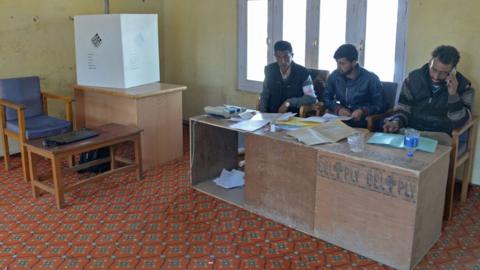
x,y
352,90
434,97
287,86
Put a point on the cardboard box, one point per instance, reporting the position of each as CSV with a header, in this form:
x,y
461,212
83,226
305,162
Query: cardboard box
x,y
117,50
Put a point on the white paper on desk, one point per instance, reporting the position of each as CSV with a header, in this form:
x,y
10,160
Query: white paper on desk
x,y
250,125
325,118
323,133
266,116
309,136
273,116
246,115
230,179
286,116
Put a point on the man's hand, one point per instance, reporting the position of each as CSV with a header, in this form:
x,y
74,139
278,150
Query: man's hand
x,y
452,84
344,112
391,126
357,114
284,108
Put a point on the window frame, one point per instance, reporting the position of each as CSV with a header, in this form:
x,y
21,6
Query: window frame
x,y
355,34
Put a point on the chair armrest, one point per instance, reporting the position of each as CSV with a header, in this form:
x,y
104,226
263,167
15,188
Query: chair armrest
x,y
20,108
7,103
371,119
318,108
459,131
53,96
66,99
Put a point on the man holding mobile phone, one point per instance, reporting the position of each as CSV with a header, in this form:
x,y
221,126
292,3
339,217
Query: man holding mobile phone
x,y
434,97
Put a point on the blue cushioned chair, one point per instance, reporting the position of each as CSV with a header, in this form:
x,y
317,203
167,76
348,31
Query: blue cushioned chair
x,y
23,114
390,96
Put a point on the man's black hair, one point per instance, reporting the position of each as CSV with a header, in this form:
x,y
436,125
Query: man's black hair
x,y
346,51
283,45
446,54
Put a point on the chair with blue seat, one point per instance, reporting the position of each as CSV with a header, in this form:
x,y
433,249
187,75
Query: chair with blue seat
x,y
390,97
23,115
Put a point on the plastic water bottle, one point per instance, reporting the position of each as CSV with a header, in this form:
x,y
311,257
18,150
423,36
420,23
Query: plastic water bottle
x,y
410,141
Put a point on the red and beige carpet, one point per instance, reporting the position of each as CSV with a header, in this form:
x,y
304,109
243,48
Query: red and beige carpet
x,y
161,223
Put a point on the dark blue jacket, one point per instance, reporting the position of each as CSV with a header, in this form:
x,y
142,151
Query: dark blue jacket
x,y
365,92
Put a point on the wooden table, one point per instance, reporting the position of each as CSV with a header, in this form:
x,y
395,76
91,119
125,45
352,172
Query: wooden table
x,y
377,203
110,135
156,108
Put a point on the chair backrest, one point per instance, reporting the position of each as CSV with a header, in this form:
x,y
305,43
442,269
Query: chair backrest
x,y
390,90
22,90
319,78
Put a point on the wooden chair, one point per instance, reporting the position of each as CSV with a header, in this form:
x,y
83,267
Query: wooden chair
x,y
23,115
463,150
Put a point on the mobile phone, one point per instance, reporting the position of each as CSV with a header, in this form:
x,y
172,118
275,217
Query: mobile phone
x,y
453,72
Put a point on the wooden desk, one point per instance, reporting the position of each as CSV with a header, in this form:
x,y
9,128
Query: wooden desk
x,y
377,203
156,108
109,136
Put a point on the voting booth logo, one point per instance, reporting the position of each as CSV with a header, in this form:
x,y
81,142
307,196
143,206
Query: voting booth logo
x,y
96,40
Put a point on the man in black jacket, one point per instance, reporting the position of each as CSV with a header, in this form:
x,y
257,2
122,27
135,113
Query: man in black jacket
x,y
352,90
287,85
434,97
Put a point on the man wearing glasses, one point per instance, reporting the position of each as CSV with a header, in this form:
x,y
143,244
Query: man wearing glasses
x,y
434,97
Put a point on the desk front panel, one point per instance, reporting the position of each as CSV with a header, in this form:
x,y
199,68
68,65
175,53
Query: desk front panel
x,y
377,203
281,181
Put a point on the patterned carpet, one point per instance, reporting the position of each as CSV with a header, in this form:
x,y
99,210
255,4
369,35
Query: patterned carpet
x,y
161,223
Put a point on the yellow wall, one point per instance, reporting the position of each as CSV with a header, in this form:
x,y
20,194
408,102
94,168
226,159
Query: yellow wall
x,y
435,22
200,51
36,38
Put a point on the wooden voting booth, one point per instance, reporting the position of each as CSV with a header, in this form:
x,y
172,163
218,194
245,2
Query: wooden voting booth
x,y
156,108
377,203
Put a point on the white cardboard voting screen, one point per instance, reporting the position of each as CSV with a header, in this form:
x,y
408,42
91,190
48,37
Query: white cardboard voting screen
x,y
117,50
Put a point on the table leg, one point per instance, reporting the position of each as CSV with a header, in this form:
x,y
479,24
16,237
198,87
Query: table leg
x,y
138,156
112,158
24,156
58,182
71,161
33,173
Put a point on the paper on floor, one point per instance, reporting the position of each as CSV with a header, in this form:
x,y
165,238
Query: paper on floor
x,y
230,179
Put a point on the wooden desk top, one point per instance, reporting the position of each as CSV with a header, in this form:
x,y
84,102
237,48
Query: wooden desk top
x,y
391,157
106,133
140,91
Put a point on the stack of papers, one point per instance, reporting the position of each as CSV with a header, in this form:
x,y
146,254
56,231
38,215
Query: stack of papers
x,y
324,133
396,140
285,116
230,179
260,120
294,123
273,116
326,118
246,115
250,125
